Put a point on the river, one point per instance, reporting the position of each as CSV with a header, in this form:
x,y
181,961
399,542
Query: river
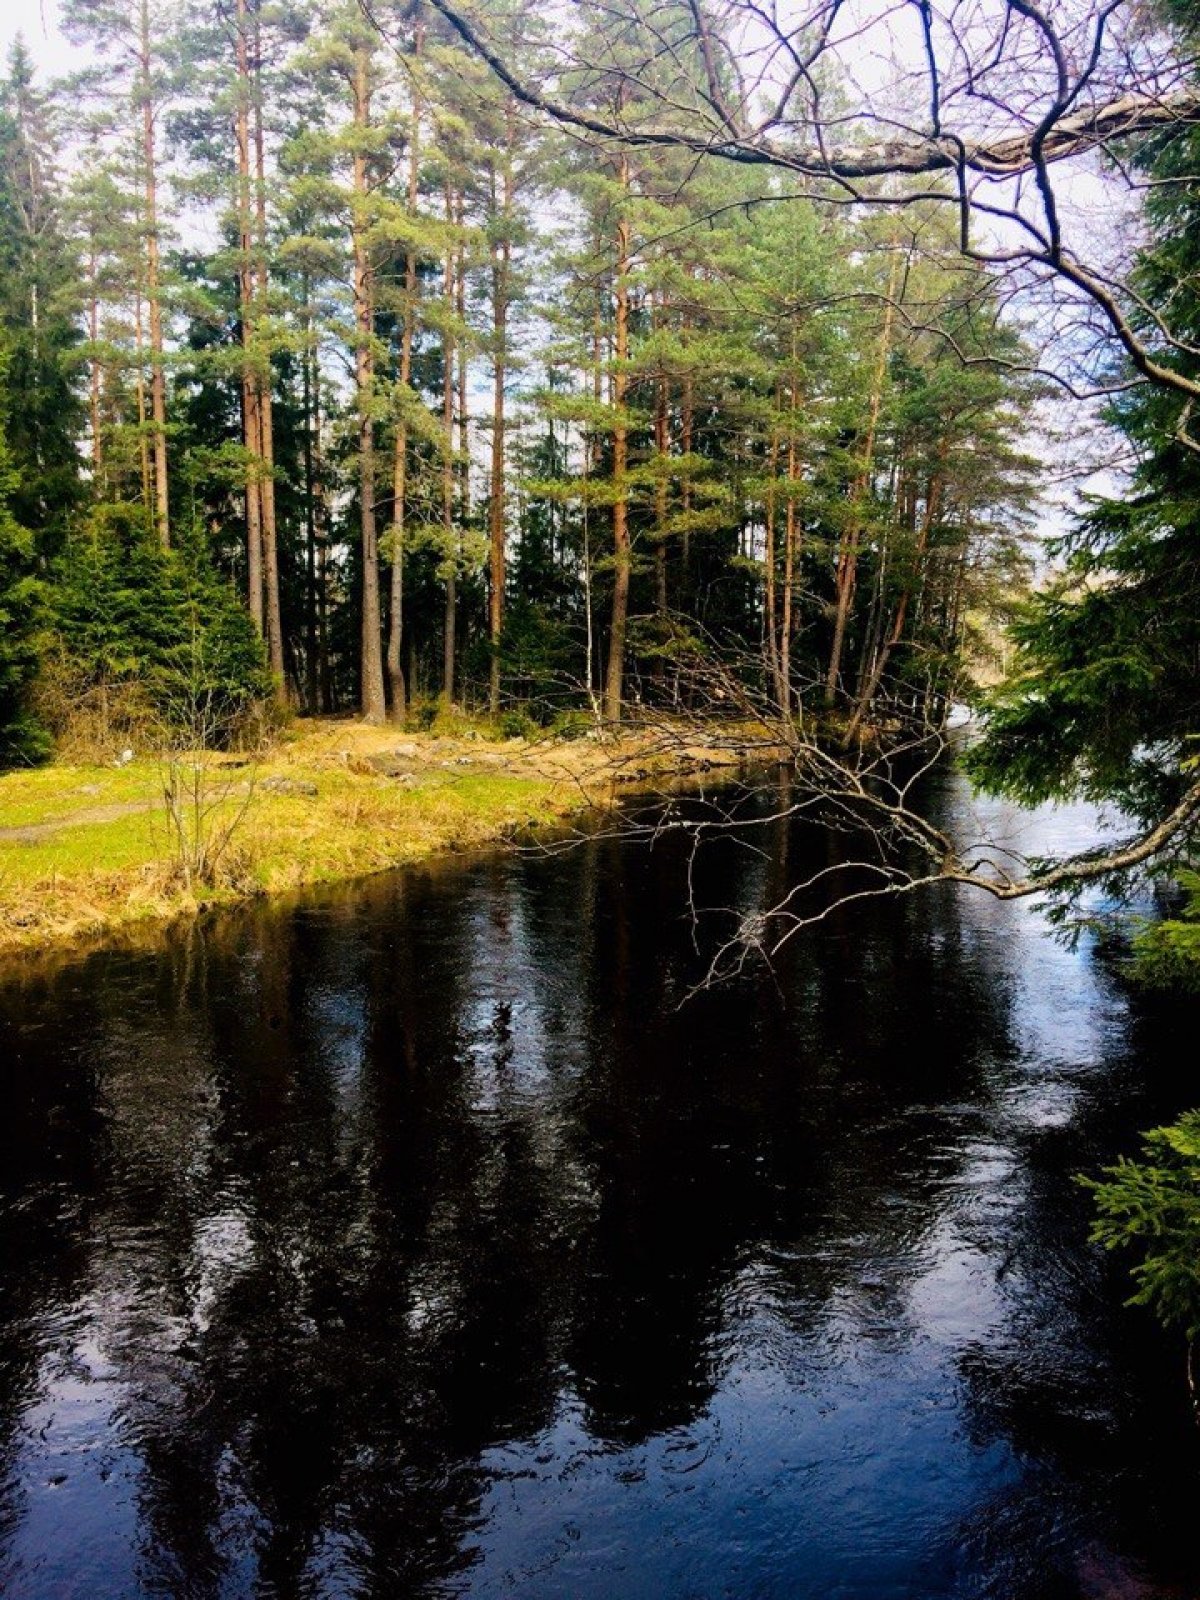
x,y
413,1239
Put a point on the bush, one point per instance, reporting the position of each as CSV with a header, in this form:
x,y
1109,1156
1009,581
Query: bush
x,y
515,723
87,715
572,725
422,714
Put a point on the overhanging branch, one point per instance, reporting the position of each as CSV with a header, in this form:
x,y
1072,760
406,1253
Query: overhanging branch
x,y
1067,136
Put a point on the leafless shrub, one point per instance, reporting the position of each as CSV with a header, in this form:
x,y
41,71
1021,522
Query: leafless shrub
x,y
206,799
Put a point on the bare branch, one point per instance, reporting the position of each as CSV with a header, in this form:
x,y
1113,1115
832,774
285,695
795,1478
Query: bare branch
x,y
1060,136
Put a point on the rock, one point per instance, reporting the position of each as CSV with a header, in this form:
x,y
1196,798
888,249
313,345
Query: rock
x,y
387,764
290,786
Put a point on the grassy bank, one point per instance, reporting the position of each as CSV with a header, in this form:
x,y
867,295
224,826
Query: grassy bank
x,y
88,850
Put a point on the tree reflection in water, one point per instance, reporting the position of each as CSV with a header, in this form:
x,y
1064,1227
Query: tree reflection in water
x,y
417,1241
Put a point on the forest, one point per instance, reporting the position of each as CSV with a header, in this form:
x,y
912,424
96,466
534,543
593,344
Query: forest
x,y
314,335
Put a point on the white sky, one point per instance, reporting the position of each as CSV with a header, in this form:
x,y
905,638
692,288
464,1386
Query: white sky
x,y
37,20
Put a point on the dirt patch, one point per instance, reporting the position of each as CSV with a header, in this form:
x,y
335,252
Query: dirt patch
x,y
32,832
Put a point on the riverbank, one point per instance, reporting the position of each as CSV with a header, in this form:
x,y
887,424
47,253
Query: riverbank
x,y
87,851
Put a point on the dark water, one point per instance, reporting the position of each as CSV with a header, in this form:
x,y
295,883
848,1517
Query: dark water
x,y
412,1241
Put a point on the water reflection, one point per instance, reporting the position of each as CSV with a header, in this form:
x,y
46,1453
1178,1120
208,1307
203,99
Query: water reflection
x,y
416,1241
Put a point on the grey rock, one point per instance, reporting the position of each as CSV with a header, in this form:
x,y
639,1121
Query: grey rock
x,y
390,764
291,786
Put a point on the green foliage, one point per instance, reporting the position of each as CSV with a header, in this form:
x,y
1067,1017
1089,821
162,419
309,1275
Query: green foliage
x,y
1167,953
516,724
422,715
124,612
538,652
39,307
20,604
408,229
1105,690
1103,697
572,725
1153,1205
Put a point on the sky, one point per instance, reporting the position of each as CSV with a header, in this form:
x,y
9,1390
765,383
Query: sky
x,y
37,20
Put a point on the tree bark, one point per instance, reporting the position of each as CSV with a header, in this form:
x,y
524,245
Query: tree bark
x,y
615,679
501,260
770,556
139,386
373,698
395,638
661,449
158,377
448,529
251,429
789,569
311,678
270,538
847,562
94,379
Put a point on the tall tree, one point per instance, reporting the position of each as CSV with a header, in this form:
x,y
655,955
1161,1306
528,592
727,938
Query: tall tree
x,y
131,39
1104,696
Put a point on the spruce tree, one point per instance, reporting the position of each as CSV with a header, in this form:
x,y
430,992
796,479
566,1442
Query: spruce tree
x,y
21,596
1104,698
39,312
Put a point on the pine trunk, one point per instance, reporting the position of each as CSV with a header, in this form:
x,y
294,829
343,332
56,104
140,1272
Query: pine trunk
x,y
395,639
373,700
615,680
140,401
158,376
448,530
251,429
266,423
770,558
97,441
847,564
501,257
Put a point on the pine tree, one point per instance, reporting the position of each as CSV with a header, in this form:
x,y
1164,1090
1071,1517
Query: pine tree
x,y
130,38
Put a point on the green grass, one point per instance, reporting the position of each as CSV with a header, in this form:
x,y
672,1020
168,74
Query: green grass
x,y
44,794
89,877
91,847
